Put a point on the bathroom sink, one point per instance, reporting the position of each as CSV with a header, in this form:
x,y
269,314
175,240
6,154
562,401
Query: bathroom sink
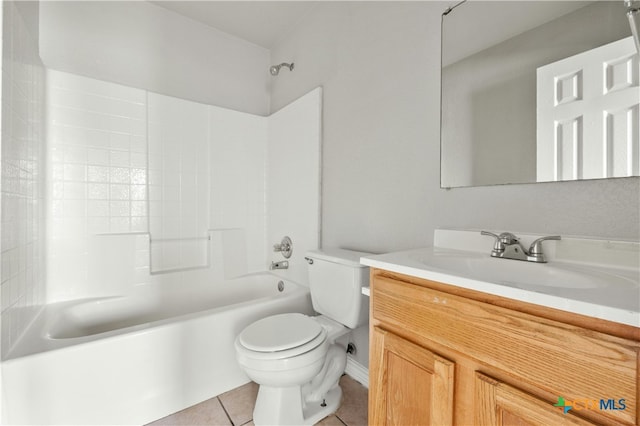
x,y
595,278
527,275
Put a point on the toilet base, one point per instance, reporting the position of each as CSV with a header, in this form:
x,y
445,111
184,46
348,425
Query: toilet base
x,y
283,406
314,412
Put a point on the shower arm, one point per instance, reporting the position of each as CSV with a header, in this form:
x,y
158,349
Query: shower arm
x,y
633,10
275,69
285,64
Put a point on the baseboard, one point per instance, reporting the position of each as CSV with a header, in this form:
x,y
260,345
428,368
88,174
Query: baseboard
x,y
359,372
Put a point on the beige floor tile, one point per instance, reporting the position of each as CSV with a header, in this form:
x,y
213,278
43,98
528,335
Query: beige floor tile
x,y
331,420
239,403
353,411
209,413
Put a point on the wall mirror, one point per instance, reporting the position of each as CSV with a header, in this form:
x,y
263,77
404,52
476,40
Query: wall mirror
x,y
538,91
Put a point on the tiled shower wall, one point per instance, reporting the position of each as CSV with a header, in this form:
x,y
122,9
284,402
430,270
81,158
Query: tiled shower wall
x,y
142,184
178,183
97,156
23,150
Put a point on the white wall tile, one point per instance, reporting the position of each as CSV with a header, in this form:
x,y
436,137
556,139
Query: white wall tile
x,y
178,137
97,208
23,161
138,160
139,224
94,172
74,190
119,175
119,225
119,141
97,191
95,156
119,192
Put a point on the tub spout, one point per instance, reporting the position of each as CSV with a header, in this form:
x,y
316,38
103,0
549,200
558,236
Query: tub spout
x,y
279,265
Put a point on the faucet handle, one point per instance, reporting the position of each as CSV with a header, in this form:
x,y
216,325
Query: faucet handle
x,y
285,247
536,246
508,238
498,245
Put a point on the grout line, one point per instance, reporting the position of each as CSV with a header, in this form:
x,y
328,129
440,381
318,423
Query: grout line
x,y
340,420
225,410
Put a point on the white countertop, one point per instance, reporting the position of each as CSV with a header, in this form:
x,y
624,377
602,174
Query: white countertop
x,y
618,302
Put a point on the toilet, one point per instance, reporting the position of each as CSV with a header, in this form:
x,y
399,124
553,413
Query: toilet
x,y
297,359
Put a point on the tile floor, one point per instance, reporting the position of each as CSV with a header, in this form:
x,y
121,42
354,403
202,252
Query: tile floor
x,y
235,408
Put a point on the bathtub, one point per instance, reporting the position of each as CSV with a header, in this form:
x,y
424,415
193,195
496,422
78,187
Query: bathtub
x,y
135,359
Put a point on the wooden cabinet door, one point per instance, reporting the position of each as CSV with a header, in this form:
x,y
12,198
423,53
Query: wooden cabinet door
x,y
410,384
497,403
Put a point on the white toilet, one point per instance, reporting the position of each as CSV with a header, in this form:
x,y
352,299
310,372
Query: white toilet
x,y
295,358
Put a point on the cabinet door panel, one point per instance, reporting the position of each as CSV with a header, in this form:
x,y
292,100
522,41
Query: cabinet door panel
x,y
500,404
414,386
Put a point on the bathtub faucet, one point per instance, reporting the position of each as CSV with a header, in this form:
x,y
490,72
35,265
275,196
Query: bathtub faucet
x,y
283,264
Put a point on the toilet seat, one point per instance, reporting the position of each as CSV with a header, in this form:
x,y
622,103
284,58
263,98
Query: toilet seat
x,y
279,332
281,336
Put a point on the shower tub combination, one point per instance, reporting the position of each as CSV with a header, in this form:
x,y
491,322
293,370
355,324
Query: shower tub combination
x,y
134,359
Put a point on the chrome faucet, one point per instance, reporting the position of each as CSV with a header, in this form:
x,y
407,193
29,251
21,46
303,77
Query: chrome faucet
x,y
507,246
283,264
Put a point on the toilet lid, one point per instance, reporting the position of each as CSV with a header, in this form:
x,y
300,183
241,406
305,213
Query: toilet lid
x,y
279,333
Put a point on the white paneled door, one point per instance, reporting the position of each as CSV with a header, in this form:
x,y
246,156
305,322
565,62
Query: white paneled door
x,y
588,115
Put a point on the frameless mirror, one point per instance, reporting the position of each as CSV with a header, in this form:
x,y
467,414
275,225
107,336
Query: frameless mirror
x,y
538,91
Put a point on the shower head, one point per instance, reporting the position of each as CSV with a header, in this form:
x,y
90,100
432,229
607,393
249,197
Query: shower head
x,y
275,69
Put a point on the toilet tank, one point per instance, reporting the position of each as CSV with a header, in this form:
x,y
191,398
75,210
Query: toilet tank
x,y
336,279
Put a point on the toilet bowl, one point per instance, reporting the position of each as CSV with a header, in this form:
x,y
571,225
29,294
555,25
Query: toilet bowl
x,y
295,358
287,359
283,353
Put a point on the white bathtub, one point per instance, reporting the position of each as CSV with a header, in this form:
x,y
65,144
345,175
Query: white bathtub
x,y
135,359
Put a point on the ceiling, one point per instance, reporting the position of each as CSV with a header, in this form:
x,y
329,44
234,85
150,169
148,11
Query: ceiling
x,y
260,22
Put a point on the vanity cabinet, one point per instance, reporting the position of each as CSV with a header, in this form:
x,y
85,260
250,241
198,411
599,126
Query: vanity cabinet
x,y
443,355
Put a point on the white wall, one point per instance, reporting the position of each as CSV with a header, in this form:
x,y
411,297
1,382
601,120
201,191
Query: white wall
x,y
139,44
379,65
22,288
